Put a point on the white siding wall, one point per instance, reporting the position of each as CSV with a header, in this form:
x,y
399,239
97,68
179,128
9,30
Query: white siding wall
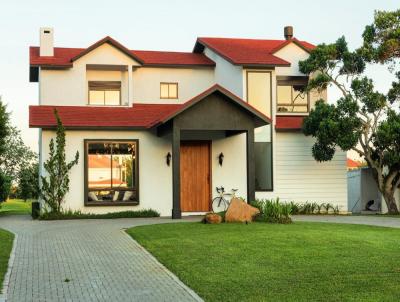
x,y
227,75
298,177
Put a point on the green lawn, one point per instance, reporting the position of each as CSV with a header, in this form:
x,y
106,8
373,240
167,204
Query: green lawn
x,y
6,240
15,206
268,262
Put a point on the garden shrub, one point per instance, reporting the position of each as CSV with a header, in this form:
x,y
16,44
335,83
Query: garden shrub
x,y
79,215
273,211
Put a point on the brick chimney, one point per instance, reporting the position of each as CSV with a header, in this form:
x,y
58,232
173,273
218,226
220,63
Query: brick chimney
x,y
288,32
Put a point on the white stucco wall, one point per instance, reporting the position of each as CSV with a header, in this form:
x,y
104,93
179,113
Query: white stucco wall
x,y
226,74
298,177
191,82
70,88
155,177
293,54
233,172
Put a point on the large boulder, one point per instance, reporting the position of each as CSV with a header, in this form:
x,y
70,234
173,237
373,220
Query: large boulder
x,y
212,218
240,211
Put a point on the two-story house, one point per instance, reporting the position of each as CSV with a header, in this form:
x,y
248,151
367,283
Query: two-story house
x,y
161,130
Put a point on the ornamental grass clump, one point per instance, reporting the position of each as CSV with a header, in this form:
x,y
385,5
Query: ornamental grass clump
x,y
273,211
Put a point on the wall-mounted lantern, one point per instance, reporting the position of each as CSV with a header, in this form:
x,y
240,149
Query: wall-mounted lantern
x,y
221,158
168,158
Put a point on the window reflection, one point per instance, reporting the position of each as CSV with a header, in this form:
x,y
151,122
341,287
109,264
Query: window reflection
x,y
111,171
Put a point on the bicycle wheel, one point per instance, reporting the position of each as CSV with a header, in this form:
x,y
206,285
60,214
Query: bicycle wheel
x,y
219,204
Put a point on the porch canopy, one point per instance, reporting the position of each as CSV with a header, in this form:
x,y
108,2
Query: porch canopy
x,y
215,110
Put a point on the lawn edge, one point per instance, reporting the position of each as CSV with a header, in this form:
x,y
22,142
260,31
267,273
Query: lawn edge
x,y
6,280
191,292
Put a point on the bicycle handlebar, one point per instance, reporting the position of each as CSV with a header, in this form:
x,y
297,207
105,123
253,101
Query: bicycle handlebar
x,y
221,189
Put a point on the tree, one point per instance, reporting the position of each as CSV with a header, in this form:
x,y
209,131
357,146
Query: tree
x,y
4,125
56,184
5,186
363,119
28,181
16,154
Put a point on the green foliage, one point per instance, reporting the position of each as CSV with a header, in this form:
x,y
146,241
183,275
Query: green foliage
x,y
4,126
79,215
56,185
6,243
363,119
16,154
28,182
5,186
382,38
273,211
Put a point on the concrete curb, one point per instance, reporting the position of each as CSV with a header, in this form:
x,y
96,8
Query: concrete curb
x,y
190,291
6,282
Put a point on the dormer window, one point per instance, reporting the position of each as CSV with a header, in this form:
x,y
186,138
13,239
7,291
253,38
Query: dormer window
x,y
105,93
168,90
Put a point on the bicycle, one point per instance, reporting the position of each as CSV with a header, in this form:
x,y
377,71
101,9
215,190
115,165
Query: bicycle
x,y
220,203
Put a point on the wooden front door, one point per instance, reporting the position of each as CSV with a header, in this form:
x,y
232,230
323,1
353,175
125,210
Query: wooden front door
x,y
195,176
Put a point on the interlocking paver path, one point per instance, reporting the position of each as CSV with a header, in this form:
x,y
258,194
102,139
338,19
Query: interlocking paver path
x,y
87,260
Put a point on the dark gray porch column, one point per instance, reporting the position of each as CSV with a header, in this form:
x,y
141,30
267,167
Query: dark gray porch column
x,y
176,187
250,165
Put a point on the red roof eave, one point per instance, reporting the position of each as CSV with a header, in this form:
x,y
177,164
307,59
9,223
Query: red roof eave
x,y
289,122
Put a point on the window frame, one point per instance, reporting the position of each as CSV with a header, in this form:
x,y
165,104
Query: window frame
x,y
86,173
104,90
292,81
169,83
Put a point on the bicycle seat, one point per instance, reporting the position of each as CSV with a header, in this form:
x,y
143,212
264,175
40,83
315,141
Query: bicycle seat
x,y
234,190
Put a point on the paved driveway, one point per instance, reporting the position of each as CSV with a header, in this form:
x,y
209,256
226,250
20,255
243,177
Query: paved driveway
x,y
87,260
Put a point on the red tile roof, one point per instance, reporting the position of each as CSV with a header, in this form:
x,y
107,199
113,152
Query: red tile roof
x,y
288,122
150,57
138,116
249,51
63,57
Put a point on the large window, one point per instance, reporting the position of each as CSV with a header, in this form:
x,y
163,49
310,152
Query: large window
x,y
111,172
105,93
168,90
290,96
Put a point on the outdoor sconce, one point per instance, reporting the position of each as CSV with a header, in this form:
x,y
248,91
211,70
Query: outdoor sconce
x,y
168,157
221,158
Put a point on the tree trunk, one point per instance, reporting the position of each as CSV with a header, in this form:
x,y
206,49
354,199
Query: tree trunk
x,y
391,202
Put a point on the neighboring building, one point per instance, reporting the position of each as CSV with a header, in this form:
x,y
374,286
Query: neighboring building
x,y
152,126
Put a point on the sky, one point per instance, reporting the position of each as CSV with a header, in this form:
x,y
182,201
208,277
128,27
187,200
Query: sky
x,y
166,25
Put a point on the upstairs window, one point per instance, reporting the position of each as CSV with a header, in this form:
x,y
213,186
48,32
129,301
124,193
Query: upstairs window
x,y
290,97
168,90
105,93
